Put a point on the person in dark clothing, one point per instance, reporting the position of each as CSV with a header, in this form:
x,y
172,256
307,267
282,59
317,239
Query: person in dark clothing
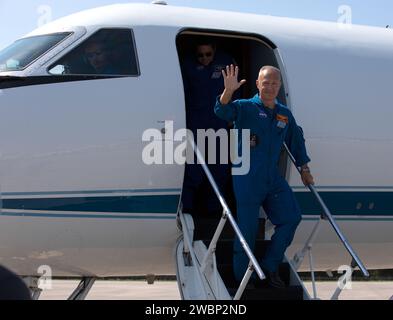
x,y
203,81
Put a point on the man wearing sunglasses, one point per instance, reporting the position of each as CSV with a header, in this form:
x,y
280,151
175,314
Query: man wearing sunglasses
x,y
203,81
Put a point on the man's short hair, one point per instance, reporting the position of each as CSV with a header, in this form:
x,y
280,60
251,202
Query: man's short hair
x,y
270,68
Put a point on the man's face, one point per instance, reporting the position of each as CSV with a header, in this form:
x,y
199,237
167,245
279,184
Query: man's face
x,y
269,84
96,56
205,54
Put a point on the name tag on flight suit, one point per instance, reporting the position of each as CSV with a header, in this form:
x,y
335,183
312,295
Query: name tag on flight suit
x,y
282,121
216,75
217,72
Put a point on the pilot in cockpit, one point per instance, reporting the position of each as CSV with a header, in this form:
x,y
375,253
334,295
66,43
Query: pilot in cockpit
x,y
98,56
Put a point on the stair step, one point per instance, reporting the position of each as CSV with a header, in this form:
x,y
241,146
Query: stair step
x,y
224,250
289,293
205,229
227,275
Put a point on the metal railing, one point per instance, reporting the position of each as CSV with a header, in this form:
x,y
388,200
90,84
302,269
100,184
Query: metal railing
x,y
326,215
210,256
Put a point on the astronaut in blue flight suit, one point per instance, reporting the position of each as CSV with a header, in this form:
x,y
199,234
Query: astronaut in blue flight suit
x,y
270,124
203,81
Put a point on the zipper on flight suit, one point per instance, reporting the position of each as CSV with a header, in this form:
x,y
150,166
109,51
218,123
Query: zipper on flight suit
x,y
271,119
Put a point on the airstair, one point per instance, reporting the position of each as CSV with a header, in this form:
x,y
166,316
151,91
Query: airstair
x,y
204,256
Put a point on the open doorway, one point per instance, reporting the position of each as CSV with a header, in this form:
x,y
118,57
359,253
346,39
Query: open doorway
x,y
250,53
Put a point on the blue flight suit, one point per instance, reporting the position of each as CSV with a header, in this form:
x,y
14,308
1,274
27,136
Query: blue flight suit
x,y
264,185
202,84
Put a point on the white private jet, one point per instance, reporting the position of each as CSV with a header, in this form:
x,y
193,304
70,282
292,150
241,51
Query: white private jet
x,y
75,192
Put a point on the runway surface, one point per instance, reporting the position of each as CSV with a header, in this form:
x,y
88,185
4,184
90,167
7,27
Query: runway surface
x,y
168,290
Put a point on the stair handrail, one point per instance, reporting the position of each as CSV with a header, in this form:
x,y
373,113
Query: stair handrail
x,y
327,215
227,214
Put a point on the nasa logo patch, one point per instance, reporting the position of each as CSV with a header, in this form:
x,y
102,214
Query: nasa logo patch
x,y
262,114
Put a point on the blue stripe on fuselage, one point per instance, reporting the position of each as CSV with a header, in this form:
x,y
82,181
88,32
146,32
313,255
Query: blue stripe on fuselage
x,y
345,203
116,204
341,203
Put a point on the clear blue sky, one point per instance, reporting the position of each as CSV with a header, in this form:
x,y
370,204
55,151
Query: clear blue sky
x,y
18,17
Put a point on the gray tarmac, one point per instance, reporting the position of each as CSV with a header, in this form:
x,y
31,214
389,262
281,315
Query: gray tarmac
x,y
168,290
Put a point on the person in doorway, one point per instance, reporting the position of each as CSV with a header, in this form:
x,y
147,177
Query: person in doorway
x,y
202,74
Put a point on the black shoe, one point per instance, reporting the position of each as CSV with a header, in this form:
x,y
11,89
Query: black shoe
x,y
274,280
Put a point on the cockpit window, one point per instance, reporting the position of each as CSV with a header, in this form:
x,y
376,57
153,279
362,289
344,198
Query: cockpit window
x,y
23,52
108,52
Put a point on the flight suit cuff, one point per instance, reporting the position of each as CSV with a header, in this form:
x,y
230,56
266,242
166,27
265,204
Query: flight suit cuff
x,y
303,161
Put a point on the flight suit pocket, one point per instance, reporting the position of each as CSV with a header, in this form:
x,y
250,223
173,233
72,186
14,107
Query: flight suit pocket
x,y
281,124
281,206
